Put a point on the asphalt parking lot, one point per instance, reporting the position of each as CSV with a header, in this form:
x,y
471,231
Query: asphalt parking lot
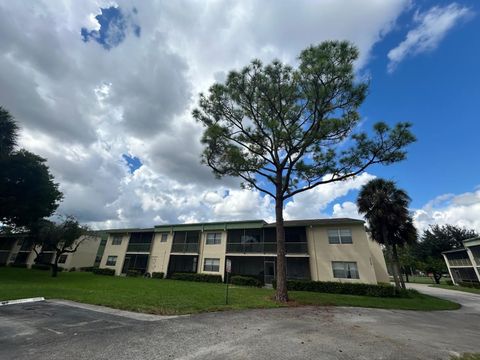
x,y
52,330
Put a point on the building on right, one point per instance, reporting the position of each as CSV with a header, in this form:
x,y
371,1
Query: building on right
x,y
464,264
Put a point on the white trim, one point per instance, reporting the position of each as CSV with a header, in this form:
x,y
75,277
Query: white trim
x,y
21,301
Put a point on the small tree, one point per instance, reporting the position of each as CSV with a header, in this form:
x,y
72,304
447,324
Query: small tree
x,y
386,209
284,131
27,188
63,238
436,240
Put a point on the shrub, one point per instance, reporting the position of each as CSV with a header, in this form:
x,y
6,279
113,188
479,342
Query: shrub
x,y
72,269
245,281
40,267
24,266
133,273
197,277
449,282
469,285
87,268
347,288
98,271
158,275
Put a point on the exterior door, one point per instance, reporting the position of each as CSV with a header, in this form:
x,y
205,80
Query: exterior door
x,y
269,271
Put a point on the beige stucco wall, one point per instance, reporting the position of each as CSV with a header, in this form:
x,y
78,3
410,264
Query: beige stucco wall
x,y
211,251
379,263
85,254
115,250
322,253
160,254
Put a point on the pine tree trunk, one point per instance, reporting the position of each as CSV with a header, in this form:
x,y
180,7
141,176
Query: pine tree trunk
x,y
281,278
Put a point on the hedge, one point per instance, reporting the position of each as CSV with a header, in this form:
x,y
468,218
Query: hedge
x,y
99,271
347,288
87,268
158,275
41,267
469,285
24,266
197,277
133,273
245,281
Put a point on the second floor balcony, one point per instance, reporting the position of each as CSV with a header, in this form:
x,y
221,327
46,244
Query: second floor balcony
x,y
139,247
266,248
185,248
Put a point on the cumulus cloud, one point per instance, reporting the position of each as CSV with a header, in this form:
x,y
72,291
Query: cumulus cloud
x,y
462,210
313,203
83,107
431,27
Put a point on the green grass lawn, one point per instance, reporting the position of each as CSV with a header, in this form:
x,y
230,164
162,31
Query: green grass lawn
x,y
459,288
179,297
425,280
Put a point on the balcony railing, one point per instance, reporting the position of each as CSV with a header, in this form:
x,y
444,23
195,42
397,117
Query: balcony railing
x,y
266,248
185,248
138,247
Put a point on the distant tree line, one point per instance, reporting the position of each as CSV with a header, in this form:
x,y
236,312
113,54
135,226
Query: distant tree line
x,y
390,223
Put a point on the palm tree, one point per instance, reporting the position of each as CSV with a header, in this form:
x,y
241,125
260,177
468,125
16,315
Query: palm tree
x,y
385,207
8,133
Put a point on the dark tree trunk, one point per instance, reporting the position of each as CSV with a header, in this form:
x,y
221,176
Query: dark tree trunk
x,y
394,262
281,294
406,275
399,283
55,265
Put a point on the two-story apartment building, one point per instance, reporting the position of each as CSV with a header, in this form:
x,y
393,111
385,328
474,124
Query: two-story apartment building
x,y
464,264
18,249
322,249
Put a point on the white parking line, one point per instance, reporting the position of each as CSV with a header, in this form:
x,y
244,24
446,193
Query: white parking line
x,y
21,301
54,331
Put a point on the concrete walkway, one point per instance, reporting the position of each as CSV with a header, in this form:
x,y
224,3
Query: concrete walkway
x,y
470,302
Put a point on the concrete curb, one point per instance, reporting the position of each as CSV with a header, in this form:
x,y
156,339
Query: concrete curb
x,y
21,301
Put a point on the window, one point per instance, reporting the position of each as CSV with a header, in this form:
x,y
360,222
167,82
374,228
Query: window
x,y
340,236
117,240
214,238
111,261
62,259
164,237
345,270
211,265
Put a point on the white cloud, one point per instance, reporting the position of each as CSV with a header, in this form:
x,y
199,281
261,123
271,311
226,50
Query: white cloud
x,y
82,107
312,203
431,27
346,209
462,210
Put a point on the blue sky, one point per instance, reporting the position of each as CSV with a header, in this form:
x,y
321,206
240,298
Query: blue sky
x,y
438,91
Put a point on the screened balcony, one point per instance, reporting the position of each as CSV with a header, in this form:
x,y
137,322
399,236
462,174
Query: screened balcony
x,y
186,242
263,241
140,242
